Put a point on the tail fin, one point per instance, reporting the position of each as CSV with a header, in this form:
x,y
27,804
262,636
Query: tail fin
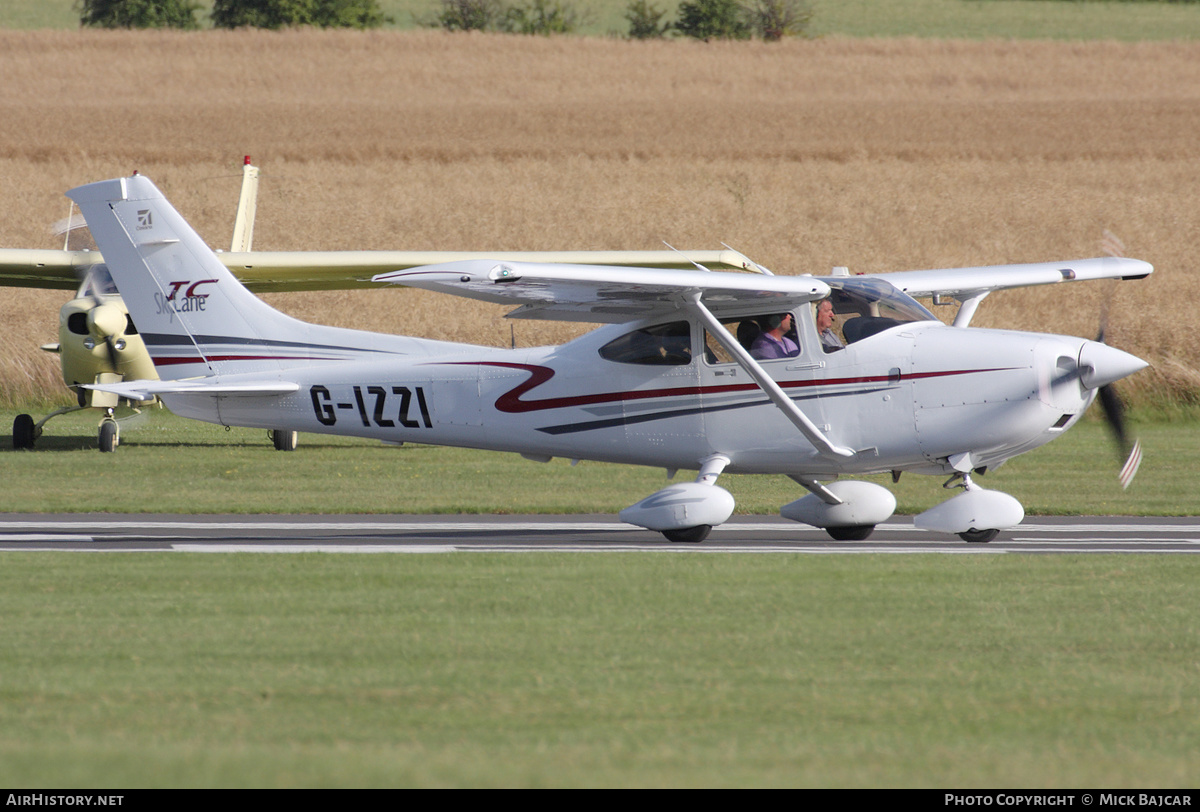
x,y
194,316
243,224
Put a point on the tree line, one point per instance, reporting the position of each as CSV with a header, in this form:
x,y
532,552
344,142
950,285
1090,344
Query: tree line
x,y
699,19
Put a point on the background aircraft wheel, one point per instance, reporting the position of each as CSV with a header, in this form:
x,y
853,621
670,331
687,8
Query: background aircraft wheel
x,y
108,435
24,432
691,535
284,440
854,532
978,536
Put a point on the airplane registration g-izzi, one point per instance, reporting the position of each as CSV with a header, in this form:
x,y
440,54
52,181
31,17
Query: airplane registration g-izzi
x,y
812,377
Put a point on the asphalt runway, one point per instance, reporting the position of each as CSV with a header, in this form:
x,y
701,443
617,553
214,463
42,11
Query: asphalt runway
x,y
598,533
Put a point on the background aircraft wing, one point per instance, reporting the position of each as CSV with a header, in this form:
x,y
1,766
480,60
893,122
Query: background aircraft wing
x,y
267,271
590,293
35,268
966,282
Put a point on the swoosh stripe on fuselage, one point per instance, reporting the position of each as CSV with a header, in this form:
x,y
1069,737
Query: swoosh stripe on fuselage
x,y
511,402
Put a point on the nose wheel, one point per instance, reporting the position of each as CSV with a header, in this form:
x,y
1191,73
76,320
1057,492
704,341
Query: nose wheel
x,y
977,515
25,432
110,435
978,536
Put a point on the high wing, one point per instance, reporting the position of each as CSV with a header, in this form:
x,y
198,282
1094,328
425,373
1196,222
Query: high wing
x,y
571,292
963,283
267,271
971,285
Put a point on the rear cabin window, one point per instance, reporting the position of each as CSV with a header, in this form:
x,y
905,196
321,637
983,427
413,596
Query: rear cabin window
x,y
660,345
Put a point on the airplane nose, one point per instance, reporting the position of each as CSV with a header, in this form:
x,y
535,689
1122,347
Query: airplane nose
x,y
106,320
1100,364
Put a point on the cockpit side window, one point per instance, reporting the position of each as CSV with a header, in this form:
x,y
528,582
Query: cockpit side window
x,y
660,345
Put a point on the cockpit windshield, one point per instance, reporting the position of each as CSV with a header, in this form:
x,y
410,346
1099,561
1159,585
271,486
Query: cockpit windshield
x,y
98,282
864,307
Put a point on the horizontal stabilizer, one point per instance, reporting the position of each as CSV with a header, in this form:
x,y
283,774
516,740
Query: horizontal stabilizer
x,y
146,390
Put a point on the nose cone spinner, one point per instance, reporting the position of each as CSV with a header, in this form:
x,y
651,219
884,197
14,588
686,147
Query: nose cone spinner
x,y
1100,364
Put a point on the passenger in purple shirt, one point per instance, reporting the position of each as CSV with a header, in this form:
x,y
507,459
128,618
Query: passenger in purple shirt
x,y
773,342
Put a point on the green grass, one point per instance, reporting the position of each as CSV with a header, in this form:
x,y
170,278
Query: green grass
x,y
970,19
618,670
171,465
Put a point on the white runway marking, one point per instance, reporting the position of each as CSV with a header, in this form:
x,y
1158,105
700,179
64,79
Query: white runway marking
x,y
426,534
45,537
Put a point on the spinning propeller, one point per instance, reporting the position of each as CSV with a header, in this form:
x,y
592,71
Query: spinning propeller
x,y
1110,401
106,322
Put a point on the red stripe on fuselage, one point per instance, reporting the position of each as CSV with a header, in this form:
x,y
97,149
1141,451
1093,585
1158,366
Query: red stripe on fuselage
x,y
510,402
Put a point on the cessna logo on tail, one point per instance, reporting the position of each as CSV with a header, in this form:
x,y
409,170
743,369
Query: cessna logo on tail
x,y
191,301
145,219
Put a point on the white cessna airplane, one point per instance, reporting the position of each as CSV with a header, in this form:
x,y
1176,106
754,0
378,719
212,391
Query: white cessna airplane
x,y
674,379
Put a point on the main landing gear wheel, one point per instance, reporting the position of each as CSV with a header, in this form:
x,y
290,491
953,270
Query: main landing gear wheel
x,y
854,532
283,440
24,432
690,535
109,435
978,536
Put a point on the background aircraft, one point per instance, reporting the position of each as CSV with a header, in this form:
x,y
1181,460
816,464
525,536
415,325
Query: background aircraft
x,y
98,342
666,382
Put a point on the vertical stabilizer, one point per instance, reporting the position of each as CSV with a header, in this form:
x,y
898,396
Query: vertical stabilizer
x,y
194,315
243,224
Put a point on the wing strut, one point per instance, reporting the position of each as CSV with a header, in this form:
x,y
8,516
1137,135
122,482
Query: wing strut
x,y
785,404
967,306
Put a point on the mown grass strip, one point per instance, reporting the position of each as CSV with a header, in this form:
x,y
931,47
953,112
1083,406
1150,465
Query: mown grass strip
x,y
632,670
168,464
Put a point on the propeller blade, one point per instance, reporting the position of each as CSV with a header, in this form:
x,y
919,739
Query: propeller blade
x,y
106,322
1114,409
113,358
1130,468
1114,414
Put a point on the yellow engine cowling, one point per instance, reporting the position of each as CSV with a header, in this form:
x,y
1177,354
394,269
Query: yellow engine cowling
x,y
93,332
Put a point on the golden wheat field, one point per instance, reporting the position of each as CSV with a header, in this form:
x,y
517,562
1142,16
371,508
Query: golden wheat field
x,y
873,154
